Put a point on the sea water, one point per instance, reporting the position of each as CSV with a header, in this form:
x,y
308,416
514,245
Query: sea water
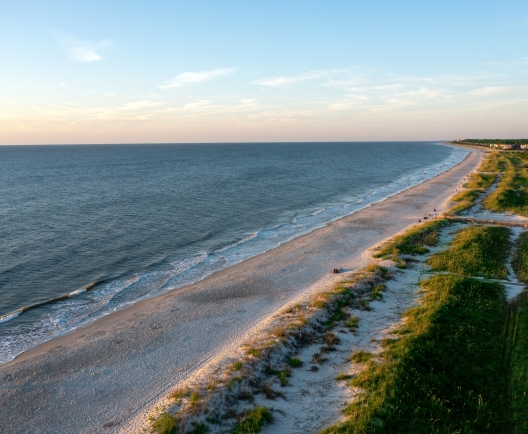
x,y
86,230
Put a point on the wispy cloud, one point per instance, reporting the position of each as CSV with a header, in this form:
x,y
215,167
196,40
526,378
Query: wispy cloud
x,y
187,78
497,90
80,50
311,75
138,105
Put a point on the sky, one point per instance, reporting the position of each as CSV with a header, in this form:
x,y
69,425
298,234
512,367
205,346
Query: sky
x,y
252,71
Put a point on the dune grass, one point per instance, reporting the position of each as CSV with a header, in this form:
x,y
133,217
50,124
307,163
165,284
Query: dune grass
x,y
518,334
511,194
165,424
480,180
477,184
494,162
475,251
520,258
253,422
444,373
415,241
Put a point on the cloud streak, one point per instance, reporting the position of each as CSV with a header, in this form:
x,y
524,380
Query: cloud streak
x,y
79,50
186,78
311,75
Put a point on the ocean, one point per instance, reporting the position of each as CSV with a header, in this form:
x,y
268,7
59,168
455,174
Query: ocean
x,y
89,229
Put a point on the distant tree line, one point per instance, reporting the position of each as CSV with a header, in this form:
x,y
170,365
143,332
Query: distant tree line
x,y
497,141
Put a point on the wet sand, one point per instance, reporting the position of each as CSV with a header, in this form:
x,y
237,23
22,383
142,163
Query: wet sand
x,y
106,377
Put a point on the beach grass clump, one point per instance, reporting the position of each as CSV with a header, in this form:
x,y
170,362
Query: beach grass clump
x,y
331,339
378,270
165,424
195,399
253,421
294,362
466,196
377,292
255,352
282,375
445,371
342,376
352,323
475,251
236,366
178,394
361,356
415,241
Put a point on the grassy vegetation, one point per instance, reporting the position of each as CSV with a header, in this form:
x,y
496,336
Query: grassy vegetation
x,y
253,422
480,180
444,372
236,366
415,241
294,362
512,191
199,428
282,375
475,251
495,162
165,424
518,340
477,184
352,323
178,394
377,292
520,258
360,357
341,376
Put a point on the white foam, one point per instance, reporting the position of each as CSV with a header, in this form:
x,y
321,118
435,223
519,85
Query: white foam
x,y
9,317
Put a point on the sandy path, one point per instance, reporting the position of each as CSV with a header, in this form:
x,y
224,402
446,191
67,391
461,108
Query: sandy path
x,y
113,371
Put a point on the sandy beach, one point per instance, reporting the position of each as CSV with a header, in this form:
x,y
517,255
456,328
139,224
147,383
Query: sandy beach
x,y
106,377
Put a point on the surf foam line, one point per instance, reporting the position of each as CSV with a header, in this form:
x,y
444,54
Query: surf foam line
x,y
203,264
15,313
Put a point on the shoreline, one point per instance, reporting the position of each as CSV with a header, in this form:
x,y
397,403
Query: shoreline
x,y
253,289
364,203
126,306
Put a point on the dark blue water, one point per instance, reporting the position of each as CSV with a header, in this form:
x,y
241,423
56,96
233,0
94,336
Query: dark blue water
x,y
129,221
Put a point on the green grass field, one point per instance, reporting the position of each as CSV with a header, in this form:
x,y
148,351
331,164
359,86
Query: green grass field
x,y
444,373
511,194
415,241
475,251
449,368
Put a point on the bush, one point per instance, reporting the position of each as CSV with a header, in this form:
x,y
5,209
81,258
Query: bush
x,y
165,424
253,422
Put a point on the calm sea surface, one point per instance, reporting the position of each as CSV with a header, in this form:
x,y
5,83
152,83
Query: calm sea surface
x,y
105,226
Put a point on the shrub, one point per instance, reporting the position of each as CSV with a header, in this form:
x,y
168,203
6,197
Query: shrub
x,y
253,422
294,362
165,424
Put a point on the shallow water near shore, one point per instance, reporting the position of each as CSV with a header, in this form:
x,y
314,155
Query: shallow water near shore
x,y
89,229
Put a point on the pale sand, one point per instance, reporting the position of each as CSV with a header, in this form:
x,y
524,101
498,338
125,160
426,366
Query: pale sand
x,y
115,369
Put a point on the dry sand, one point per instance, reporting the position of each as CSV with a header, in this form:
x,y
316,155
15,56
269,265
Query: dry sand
x,y
105,377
